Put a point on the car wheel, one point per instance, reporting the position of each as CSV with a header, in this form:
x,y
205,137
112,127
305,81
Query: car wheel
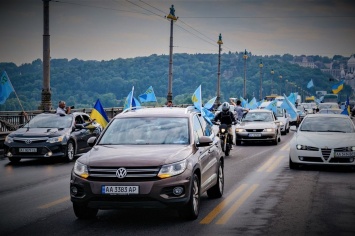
x,y
292,165
284,132
84,212
274,142
191,210
217,190
226,153
288,129
14,159
70,151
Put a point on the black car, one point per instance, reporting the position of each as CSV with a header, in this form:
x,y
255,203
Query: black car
x,y
50,135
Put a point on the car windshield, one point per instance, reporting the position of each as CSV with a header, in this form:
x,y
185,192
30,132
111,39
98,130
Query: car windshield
x,y
50,121
330,111
327,124
279,112
146,131
258,116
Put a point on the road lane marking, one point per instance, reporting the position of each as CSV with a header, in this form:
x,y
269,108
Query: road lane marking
x,y
212,215
236,205
285,146
59,201
267,164
276,163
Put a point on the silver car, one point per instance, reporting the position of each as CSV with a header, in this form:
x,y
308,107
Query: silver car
x,y
258,125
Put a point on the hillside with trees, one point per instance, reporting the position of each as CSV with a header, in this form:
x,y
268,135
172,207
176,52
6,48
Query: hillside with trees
x,y
81,83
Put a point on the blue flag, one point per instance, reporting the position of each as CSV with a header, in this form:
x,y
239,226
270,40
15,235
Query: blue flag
x,y
310,84
252,104
289,107
346,110
336,88
5,87
292,98
272,106
208,115
129,99
148,96
135,103
98,113
209,105
196,99
243,102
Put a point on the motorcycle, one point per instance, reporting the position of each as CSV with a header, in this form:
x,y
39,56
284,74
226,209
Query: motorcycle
x,y
224,137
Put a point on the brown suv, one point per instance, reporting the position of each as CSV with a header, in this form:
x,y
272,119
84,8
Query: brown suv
x,y
149,158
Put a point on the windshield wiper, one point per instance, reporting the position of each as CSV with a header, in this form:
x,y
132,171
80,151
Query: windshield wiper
x,y
336,131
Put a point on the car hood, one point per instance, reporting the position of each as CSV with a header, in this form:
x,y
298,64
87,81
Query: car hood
x,y
325,139
38,132
256,125
135,155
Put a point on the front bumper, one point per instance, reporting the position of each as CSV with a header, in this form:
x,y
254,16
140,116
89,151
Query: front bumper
x,y
251,136
42,150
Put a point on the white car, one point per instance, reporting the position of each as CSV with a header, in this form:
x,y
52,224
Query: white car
x,y
323,139
281,115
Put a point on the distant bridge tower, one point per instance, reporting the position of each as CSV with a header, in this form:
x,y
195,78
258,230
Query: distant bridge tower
x,y
46,104
219,42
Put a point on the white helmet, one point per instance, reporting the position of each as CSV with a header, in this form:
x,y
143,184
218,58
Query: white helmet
x,y
225,106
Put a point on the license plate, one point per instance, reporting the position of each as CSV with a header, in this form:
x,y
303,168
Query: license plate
x,y
344,154
120,190
254,135
27,150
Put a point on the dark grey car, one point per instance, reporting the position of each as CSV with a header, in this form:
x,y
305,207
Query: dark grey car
x,y
50,135
149,158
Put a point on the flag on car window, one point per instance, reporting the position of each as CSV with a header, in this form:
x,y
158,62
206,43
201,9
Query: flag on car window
x,y
196,99
128,102
272,106
148,96
209,105
346,110
5,87
289,107
336,88
310,84
98,113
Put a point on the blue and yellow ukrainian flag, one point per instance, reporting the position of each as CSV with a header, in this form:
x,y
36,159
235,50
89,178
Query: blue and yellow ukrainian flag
x,y
98,113
336,88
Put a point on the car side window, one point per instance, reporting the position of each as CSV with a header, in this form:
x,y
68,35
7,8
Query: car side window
x,y
79,120
198,132
86,118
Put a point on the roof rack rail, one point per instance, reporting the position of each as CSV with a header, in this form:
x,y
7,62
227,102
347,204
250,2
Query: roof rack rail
x,y
190,108
132,109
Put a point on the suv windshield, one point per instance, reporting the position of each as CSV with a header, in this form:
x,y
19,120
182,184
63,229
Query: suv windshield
x,y
146,131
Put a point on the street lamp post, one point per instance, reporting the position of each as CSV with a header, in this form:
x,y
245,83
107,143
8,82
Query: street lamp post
x,y
245,57
261,80
219,42
172,18
272,80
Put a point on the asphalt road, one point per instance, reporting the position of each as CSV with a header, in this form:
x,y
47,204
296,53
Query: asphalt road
x,y
262,197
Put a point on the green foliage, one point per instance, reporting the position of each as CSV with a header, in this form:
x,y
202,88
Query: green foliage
x,y
81,83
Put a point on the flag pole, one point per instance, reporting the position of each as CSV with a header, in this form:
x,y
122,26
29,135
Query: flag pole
x,y
24,113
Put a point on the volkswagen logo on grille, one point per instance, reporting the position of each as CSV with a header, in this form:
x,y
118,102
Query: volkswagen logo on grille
x,y
121,173
28,141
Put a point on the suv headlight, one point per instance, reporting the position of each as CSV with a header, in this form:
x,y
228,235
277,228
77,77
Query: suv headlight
x,y
173,169
81,170
55,139
8,139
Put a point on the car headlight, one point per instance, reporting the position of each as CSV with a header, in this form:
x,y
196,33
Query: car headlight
x,y
350,148
223,130
269,130
238,130
55,139
281,123
301,147
8,139
81,170
173,169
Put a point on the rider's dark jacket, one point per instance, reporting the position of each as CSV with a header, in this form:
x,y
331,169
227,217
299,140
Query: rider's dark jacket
x,y
225,118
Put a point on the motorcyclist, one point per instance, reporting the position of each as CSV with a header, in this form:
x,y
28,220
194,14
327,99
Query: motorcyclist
x,y
226,117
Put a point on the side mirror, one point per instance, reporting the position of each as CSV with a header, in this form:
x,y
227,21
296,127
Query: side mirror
x,y
204,141
91,141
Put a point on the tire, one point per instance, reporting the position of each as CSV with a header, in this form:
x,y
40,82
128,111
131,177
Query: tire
x,y
14,159
288,129
292,165
226,153
238,142
70,151
274,142
84,212
217,190
191,210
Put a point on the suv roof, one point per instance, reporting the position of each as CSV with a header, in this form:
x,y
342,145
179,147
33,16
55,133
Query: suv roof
x,y
159,112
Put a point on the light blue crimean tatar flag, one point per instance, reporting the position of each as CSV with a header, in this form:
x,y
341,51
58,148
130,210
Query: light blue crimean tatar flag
x,y
196,99
289,107
136,103
129,99
209,105
5,87
272,106
310,84
98,113
292,98
243,102
252,104
148,96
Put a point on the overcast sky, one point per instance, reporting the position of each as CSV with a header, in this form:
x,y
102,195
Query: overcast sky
x,y
111,29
